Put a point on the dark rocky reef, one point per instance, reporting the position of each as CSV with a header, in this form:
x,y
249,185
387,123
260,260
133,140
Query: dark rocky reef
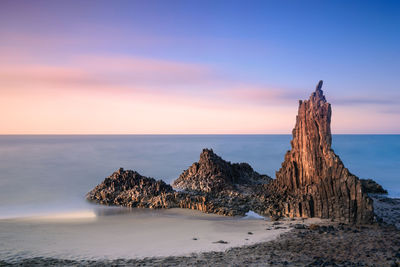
x,y
225,188
312,182
313,177
211,185
129,188
372,187
212,174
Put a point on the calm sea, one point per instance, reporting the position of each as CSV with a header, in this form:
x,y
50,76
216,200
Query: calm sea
x,y
45,174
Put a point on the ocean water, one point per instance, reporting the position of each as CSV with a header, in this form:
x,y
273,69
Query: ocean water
x,y
48,174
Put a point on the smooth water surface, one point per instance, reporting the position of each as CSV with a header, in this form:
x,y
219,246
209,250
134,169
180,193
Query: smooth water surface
x,y
48,174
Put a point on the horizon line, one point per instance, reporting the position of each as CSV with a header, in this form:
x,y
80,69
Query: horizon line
x,y
189,134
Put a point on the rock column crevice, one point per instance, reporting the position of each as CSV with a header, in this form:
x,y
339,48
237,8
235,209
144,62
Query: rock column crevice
x,y
313,176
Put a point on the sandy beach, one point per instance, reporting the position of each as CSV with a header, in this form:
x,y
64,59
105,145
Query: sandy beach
x,y
327,245
113,234
178,237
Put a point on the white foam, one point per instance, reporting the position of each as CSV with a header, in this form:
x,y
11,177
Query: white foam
x,y
64,216
253,215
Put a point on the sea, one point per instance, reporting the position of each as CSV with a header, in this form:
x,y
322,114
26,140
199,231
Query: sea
x,y
44,180
43,174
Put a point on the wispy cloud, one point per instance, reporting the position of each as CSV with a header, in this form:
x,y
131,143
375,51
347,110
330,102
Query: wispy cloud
x,y
111,72
132,74
110,93
367,100
160,79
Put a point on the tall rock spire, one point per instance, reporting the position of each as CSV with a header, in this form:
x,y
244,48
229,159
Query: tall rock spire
x,y
313,176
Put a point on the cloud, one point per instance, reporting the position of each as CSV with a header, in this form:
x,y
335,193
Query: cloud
x,y
133,74
395,109
367,100
97,72
256,95
125,94
162,79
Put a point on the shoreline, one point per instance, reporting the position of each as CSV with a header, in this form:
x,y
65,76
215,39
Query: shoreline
x,y
134,234
330,244
292,242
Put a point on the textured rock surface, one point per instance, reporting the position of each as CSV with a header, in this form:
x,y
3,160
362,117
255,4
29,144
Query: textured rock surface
x,y
387,210
129,188
213,174
372,187
312,182
211,185
313,177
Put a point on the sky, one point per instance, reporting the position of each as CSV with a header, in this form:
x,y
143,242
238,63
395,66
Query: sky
x,y
196,67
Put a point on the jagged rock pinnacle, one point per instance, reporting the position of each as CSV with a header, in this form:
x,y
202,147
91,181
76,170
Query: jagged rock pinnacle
x,y
319,85
314,175
318,95
312,182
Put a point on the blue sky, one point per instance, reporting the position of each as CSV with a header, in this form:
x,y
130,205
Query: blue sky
x,y
284,46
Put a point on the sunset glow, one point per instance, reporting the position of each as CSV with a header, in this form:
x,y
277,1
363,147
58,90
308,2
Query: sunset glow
x,y
76,68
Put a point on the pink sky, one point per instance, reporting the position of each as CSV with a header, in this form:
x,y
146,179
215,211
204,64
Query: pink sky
x,y
128,95
139,67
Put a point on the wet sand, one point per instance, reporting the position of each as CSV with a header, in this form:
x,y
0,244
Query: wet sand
x,y
138,234
329,245
311,242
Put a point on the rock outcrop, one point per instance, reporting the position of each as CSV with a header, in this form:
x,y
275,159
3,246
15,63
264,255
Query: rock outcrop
x,y
212,174
372,187
129,188
312,182
313,177
211,185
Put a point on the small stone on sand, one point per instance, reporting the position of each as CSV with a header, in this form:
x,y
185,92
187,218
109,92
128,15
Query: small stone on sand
x,y
220,242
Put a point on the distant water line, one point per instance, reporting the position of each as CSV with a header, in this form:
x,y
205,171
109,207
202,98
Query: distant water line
x,y
52,173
